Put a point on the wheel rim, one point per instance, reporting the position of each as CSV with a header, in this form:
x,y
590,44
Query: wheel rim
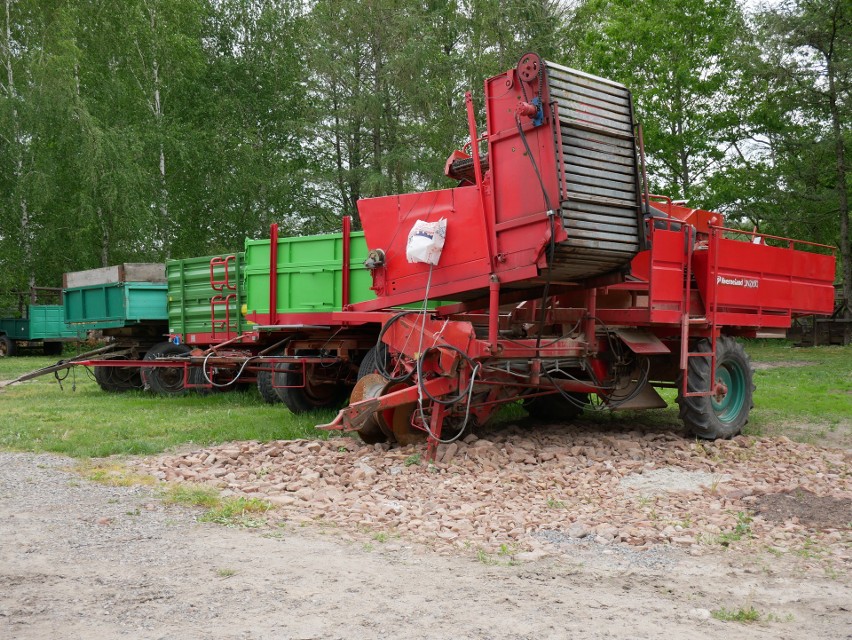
x,y
727,406
170,378
4,350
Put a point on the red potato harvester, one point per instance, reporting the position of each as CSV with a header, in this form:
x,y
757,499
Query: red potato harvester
x,y
573,286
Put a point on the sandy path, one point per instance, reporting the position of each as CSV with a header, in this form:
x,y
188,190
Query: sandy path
x,y
83,560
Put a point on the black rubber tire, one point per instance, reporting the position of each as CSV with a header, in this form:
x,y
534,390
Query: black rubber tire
x,y
306,398
700,415
52,348
119,379
555,407
264,385
370,363
168,380
8,348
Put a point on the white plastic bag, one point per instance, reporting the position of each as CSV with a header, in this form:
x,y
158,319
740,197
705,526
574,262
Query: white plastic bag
x,y
425,241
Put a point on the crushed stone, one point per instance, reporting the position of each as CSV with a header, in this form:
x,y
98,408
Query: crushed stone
x,y
520,490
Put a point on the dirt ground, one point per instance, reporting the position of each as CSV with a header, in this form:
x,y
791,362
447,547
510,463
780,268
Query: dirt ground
x,y
85,560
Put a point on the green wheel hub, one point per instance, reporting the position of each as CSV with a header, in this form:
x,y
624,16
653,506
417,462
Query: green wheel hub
x,y
730,384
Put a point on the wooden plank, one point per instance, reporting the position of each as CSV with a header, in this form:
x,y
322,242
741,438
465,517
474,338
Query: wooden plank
x,y
153,272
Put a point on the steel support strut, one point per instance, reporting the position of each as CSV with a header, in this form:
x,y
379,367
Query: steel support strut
x,y
356,415
589,326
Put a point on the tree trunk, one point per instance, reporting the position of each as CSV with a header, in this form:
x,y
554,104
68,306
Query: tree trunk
x,y
17,144
105,238
157,110
842,194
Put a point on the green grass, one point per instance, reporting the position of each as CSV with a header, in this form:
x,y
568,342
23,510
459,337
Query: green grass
x,y
81,420
231,512
238,512
195,495
740,531
819,392
739,615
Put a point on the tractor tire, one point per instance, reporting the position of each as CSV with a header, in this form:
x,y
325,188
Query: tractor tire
x,y
555,407
118,379
313,395
712,417
264,385
8,348
52,348
167,380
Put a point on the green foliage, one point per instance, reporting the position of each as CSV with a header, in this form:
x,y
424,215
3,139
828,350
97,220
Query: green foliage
x,y
232,512
683,62
413,459
146,129
192,495
741,530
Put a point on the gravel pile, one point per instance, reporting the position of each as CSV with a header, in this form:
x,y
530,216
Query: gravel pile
x,y
529,491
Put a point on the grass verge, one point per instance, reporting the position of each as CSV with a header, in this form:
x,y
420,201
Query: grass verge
x,y
80,420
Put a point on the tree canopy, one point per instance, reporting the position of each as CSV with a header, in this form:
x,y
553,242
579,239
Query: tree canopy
x,y
147,129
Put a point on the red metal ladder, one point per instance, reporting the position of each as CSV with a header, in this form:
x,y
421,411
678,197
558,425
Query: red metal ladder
x,y
225,325
687,320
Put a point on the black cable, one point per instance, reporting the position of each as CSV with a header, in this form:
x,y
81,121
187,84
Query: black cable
x,y
425,391
380,360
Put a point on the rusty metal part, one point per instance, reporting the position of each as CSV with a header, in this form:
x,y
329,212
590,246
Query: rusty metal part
x,y
462,168
404,432
369,387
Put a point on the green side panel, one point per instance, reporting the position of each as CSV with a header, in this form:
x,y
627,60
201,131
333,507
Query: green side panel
x,y
309,273
114,305
43,322
192,300
15,328
48,321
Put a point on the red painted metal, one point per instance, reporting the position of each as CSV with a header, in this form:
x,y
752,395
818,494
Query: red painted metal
x,y
225,283
345,274
494,314
355,415
223,325
493,226
477,172
273,274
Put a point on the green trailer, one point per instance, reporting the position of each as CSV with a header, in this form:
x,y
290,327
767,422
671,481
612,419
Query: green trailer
x,y
205,298
309,275
43,326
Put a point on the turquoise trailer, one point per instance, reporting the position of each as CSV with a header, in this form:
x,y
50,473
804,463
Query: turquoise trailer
x,y
43,327
126,304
